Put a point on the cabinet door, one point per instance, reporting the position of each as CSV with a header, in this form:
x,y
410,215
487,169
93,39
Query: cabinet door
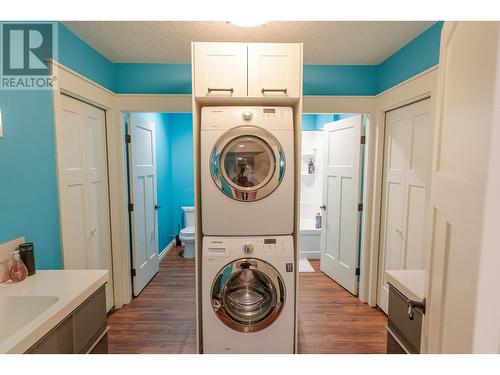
x,y
220,69
274,70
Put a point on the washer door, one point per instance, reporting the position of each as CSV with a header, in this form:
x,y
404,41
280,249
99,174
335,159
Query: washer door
x,y
247,163
248,295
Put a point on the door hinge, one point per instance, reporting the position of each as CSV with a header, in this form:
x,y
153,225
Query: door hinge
x,y
130,207
132,272
360,207
358,271
363,139
128,138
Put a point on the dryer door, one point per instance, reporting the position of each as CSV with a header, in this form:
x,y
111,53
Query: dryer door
x,y
248,295
247,163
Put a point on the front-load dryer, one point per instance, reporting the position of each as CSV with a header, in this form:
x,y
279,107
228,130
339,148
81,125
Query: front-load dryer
x,y
248,289
247,170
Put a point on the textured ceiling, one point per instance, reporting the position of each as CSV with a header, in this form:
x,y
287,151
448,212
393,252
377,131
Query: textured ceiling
x,y
332,42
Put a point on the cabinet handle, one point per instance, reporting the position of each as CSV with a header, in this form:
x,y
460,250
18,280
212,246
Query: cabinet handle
x,y
231,90
284,91
412,305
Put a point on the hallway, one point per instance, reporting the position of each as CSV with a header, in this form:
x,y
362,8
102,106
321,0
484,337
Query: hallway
x,y
162,318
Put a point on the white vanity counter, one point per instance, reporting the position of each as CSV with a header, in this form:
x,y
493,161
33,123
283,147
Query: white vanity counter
x,y
31,308
411,283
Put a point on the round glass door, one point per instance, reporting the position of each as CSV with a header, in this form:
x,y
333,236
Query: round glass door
x,y
248,295
247,163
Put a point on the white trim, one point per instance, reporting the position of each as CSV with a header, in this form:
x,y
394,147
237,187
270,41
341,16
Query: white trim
x,y
165,251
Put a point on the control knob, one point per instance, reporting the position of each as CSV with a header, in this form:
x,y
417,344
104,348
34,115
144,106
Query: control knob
x,y
248,248
246,115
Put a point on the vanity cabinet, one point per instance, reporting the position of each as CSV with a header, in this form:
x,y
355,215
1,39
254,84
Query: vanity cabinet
x,y
83,331
403,334
241,70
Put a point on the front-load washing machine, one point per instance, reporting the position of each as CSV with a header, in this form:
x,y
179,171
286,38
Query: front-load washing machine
x,y
247,170
248,288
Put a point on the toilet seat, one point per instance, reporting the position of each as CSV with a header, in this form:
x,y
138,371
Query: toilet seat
x,y
187,232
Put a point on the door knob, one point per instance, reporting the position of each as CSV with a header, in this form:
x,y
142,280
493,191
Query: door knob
x,y
157,207
323,207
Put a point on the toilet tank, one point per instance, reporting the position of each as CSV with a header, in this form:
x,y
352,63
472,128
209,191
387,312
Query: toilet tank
x,y
188,216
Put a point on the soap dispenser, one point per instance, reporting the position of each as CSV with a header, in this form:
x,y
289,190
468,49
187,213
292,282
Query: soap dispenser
x,y
18,271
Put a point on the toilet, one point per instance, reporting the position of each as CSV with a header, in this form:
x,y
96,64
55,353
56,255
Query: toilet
x,y
187,234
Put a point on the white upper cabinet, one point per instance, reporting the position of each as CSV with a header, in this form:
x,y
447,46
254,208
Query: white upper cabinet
x,y
241,70
274,70
220,70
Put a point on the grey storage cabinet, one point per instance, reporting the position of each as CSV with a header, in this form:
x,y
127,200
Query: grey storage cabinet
x,y
403,334
83,331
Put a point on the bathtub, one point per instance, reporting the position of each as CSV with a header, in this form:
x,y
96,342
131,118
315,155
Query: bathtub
x,y
309,239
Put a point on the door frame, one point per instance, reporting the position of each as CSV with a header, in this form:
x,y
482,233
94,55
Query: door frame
x,y
417,88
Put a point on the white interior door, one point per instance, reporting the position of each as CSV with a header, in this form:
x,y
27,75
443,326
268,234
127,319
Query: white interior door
x,y
144,218
83,189
459,317
339,234
407,166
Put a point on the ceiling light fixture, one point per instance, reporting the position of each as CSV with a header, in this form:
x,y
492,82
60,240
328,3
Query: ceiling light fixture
x,y
248,21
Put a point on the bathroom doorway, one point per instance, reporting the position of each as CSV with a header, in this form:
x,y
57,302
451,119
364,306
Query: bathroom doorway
x,y
160,190
332,172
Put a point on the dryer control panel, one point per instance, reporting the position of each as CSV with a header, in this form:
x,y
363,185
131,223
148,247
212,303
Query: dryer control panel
x,y
224,118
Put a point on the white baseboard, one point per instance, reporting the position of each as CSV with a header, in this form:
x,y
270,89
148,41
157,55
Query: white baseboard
x,y
310,254
165,251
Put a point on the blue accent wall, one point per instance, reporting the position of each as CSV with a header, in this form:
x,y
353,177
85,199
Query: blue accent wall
x,y
164,179
28,181
152,78
340,80
316,121
420,54
181,125
175,170
83,59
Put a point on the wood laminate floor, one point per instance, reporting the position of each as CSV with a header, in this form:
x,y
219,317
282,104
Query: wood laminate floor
x,y
162,318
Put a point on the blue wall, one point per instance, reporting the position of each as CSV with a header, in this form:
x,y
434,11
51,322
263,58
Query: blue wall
x,y
340,80
152,78
415,57
181,125
316,121
175,170
83,59
28,182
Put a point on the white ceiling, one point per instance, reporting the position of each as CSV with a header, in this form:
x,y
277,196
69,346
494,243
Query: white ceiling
x,y
325,42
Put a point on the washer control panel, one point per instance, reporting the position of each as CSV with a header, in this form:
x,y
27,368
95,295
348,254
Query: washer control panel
x,y
255,246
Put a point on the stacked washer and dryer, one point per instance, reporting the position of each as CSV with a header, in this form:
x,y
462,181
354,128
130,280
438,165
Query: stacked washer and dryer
x,y
247,208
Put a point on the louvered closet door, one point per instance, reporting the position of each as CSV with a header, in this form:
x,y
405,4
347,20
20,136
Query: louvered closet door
x,y
407,166
83,189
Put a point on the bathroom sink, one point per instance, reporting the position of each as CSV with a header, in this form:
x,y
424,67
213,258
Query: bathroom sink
x,y
18,311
